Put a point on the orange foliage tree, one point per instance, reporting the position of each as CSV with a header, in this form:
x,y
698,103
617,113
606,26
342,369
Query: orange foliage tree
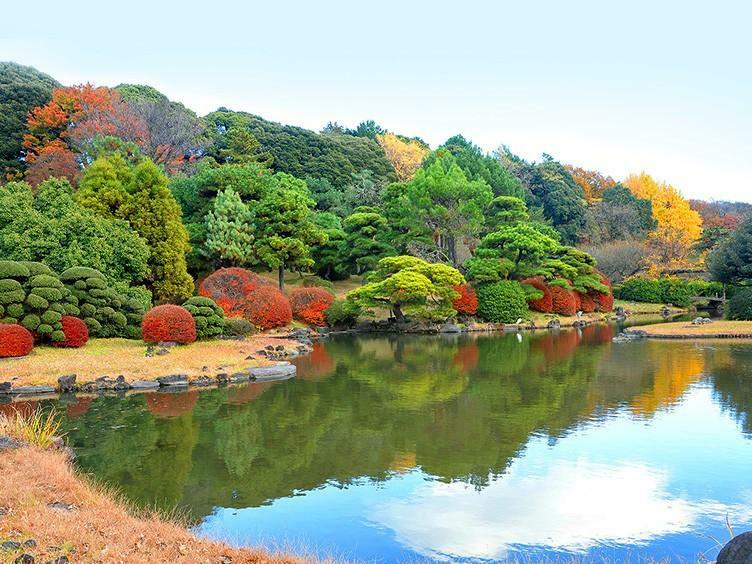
x,y
592,182
406,156
54,159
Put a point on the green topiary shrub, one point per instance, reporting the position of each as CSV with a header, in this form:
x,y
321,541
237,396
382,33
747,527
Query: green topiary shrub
x,y
676,291
639,289
237,327
342,314
739,306
317,282
209,317
13,269
504,301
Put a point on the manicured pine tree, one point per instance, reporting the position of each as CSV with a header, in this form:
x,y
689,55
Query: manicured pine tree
x,y
230,230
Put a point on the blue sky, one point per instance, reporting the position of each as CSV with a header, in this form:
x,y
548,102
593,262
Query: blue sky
x,y
664,87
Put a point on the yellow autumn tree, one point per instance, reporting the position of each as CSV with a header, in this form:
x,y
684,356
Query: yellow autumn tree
x,y
405,156
678,225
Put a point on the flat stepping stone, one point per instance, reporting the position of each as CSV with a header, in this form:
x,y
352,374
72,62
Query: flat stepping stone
x,y
144,385
239,377
27,390
173,380
276,372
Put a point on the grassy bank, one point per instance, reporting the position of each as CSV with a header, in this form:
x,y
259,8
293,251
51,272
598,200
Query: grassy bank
x,y
114,357
684,329
65,514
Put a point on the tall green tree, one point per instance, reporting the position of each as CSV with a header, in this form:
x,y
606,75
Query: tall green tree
x,y
230,230
731,262
327,257
366,231
284,227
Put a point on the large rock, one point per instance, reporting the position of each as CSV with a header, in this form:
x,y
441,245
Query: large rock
x,y
33,390
277,372
144,385
737,551
173,380
66,383
450,328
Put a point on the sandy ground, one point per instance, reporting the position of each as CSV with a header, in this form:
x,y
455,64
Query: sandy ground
x,y
685,329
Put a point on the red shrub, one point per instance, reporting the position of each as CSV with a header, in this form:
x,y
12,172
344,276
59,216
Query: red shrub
x,y
168,323
587,305
564,301
76,332
544,304
15,340
231,287
267,308
467,302
309,304
604,302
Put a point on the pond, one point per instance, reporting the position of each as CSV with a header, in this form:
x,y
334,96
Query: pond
x,y
450,448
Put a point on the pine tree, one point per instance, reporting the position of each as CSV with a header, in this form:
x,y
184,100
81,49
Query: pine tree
x,y
230,229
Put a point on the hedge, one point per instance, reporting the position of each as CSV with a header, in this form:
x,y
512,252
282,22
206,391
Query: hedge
x,y
503,301
268,308
230,288
673,290
15,341
209,317
168,323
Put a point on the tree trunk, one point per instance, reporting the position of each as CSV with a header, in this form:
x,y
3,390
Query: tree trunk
x,y
397,311
281,275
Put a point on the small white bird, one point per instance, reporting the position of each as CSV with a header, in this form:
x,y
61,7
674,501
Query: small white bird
x,y
518,321
579,314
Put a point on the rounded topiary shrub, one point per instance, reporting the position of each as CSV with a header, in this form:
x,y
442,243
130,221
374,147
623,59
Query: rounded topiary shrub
x,y
544,304
502,301
309,305
209,317
342,313
76,332
15,341
268,308
739,305
168,323
603,301
564,301
237,327
231,287
467,301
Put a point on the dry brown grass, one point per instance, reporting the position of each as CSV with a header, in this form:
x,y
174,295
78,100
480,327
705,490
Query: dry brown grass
x,y
93,525
113,357
716,329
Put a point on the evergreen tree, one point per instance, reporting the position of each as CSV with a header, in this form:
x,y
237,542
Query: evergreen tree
x,y
364,244
230,230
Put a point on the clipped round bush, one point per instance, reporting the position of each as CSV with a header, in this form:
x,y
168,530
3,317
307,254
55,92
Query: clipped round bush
x,y
545,303
209,317
564,301
317,282
638,289
309,305
231,287
76,332
15,341
342,313
603,302
467,301
587,304
237,327
739,305
268,308
168,323
13,269
503,301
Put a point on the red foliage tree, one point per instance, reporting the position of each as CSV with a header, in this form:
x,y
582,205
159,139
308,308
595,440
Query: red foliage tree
x,y
171,405
603,302
230,288
467,302
544,304
15,341
55,159
76,332
309,305
587,305
168,323
564,302
268,308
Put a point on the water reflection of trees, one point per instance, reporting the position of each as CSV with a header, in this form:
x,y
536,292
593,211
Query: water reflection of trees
x,y
461,408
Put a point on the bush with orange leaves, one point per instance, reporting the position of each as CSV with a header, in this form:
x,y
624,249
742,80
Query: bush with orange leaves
x,y
587,305
467,301
544,304
230,288
76,333
603,302
267,308
309,305
168,323
564,302
15,341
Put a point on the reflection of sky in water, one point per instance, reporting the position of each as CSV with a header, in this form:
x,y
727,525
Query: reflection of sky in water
x,y
660,485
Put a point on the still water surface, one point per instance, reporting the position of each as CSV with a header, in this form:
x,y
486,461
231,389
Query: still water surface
x,y
451,448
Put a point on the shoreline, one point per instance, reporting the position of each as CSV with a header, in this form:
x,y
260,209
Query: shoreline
x,y
695,330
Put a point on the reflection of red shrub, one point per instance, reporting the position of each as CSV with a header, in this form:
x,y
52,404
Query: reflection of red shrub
x,y
168,323
467,357
597,334
23,408
557,346
587,305
318,364
15,340
563,301
309,304
544,304
231,287
267,308
604,302
467,302
76,332
239,395
77,409
171,405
